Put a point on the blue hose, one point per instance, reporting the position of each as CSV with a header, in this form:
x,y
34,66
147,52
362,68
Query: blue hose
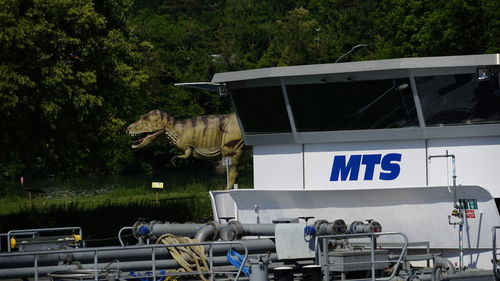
x,y
236,262
148,275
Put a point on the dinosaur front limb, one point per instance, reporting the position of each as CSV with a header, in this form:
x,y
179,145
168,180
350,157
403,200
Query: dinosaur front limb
x,y
187,153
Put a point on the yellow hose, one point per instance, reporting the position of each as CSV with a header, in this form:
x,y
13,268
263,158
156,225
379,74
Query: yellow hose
x,y
190,258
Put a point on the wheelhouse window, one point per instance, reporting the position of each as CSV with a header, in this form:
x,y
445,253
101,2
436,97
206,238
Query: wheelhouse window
x,y
261,110
353,105
459,99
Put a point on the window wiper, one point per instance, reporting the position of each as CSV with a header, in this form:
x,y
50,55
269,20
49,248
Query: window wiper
x,y
359,112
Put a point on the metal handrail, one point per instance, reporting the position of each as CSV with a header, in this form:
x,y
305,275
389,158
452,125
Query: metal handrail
x,y
120,233
494,252
38,230
398,245
8,240
96,251
321,253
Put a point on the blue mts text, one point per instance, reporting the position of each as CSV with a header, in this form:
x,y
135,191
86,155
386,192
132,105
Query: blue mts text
x,y
342,169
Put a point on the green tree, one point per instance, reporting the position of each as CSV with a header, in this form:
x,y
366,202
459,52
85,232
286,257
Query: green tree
x,y
69,80
433,28
293,40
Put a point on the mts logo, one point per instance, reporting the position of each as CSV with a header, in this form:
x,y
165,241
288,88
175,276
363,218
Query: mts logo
x,y
343,168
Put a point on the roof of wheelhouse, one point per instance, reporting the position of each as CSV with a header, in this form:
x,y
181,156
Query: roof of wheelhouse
x,y
361,66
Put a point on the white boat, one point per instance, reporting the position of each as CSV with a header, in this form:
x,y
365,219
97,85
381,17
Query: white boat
x,y
411,143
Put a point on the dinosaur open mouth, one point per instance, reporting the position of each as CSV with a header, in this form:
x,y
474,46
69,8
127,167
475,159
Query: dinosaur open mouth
x,y
145,139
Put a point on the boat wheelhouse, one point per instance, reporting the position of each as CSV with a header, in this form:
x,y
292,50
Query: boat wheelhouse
x,y
413,107
408,142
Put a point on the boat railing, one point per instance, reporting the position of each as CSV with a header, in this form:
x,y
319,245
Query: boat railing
x,y
120,232
372,263
97,269
494,259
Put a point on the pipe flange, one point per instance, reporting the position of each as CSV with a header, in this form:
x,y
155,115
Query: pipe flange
x,y
135,228
238,226
317,226
209,232
339,226
356,227
217,226
231,231
151,234
374,226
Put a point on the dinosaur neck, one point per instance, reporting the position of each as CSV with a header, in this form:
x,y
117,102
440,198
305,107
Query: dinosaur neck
x,y
170,131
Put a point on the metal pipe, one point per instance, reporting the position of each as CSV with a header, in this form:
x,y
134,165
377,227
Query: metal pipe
x,y
439,264
178,229
454,174
235,230
123,266
208,233
119,253
460,275
259,229
232,231
456,205
155,229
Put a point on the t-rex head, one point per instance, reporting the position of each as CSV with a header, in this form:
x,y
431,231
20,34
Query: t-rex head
x,y
149,126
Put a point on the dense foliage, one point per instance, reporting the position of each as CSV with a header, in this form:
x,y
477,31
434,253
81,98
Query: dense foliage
x,y
74,73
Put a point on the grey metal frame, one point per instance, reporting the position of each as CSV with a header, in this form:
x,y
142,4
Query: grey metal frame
x,y
96,251
38,230
8,242
496,272
321,252
390,65
288,107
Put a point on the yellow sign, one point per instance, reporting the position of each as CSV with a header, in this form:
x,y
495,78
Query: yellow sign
x,y
157,185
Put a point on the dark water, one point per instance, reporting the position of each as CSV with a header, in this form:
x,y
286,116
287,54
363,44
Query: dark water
x,y
101,225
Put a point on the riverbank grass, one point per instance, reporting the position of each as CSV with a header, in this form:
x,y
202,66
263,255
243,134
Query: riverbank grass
x,y
93,193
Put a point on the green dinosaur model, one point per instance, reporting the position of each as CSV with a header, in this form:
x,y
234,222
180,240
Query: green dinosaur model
x,y
206,137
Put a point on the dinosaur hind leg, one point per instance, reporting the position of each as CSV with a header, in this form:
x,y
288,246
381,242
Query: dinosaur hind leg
x,y
233,169
233,173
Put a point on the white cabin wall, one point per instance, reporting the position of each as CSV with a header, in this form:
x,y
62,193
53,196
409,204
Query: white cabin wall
x,y
476,162
288,167
278,167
